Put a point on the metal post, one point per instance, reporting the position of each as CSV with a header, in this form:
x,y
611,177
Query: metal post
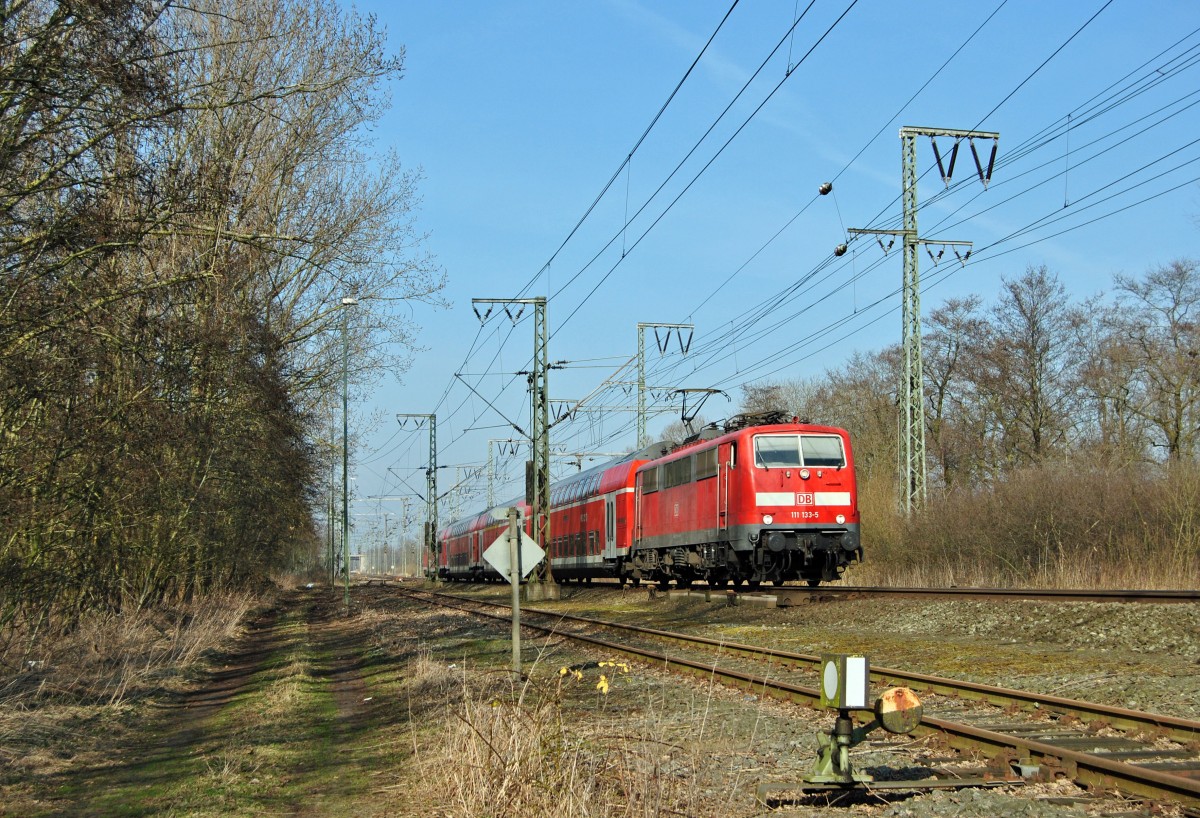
x,y
914,393
684,346
491,476
431,488
431,496
538,476
912,389
332,520
404,522
641,387
347,302
540,397
514,578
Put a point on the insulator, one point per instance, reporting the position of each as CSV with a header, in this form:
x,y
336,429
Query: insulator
x,y
825,188
840,250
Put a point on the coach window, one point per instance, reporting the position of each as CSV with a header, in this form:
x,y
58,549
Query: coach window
x,y
776,451
822,451
706,464
650,480
677,472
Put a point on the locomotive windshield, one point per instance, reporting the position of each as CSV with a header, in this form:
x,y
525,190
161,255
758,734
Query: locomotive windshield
x,y
793,451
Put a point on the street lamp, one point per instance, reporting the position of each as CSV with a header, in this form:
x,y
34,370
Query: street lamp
x,y
347,302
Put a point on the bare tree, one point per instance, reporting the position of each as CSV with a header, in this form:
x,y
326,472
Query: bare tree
x,y
1159,326
792,397
1030,359
1115,390
188,194
955,425
677,432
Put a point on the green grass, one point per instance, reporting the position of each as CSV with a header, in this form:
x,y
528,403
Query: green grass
x,y
280,744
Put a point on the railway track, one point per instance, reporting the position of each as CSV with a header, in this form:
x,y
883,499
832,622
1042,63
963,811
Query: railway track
x,y
1098,746
790,595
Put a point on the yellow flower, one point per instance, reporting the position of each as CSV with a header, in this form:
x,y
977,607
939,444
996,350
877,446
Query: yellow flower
x,y
602,685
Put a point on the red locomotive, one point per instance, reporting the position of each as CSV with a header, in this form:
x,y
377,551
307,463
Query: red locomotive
x,y
756,500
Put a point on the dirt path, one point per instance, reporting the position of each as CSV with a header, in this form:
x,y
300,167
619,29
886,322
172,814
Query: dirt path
x,y
299,718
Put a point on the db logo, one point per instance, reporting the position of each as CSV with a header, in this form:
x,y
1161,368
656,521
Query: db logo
x,y
804,499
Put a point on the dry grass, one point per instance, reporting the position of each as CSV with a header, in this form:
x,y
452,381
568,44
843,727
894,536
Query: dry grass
x,y
555,745
53,687
1055,525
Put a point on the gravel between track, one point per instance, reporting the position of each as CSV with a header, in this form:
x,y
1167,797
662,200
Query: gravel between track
x,y
1140,656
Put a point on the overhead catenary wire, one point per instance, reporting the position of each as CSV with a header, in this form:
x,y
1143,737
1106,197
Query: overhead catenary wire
x,y
1037,222
796,22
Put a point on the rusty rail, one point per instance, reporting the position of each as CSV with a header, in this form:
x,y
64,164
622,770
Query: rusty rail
x,y
1086,768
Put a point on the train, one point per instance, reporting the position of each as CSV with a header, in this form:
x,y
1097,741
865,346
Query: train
x,y
758,498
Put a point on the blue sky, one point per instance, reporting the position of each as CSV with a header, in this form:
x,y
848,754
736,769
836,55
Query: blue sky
x,y
519,114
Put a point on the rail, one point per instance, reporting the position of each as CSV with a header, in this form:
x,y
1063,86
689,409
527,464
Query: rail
x,y
1088,769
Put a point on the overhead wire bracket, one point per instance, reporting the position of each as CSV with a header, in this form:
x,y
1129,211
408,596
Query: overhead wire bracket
x,y
985,176
946,173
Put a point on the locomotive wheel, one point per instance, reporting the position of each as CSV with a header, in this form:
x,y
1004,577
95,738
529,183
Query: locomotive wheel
x,y
664,584
637,581
621,580
813,583
754,584
777,582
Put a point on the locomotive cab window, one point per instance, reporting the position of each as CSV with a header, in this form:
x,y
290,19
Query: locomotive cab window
x,y
777,451
822,451
793,451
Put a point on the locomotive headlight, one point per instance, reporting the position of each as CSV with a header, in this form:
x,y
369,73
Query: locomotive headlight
x,y
768,519
841,518
804,474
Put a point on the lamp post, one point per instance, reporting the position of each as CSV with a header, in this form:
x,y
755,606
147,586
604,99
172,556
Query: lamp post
x,y
332,521
347,302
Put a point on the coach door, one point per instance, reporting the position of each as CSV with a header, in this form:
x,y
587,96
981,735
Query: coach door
x,y
610,526
724,466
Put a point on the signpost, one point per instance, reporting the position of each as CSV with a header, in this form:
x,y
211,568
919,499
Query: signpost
x,y
514,554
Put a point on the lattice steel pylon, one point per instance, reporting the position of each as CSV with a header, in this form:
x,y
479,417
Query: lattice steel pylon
x,y
914,383
431,498
912,389
540,411
641,357
539,400
913,396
